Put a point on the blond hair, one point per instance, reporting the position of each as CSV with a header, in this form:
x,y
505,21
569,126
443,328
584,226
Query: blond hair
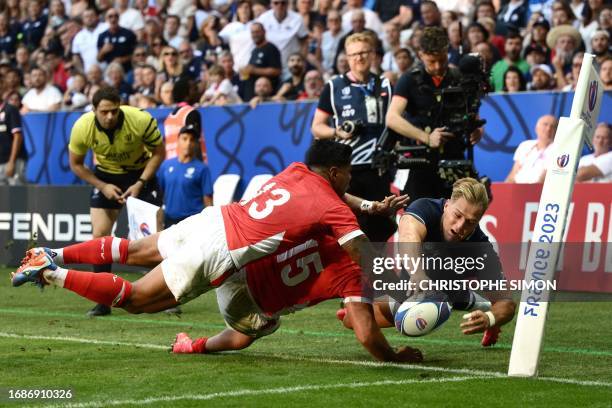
x,y
365,37
472,190
216,70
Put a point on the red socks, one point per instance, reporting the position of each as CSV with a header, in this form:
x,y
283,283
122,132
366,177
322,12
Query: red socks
x,y
199,345
104,288
99,251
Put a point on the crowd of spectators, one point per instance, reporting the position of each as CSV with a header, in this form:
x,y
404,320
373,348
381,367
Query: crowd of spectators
x,y
55,54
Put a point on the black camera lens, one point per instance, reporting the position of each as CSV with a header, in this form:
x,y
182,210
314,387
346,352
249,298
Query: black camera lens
x,y
348,126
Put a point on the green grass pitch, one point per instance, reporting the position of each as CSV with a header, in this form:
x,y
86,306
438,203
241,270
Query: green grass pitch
x,y
46,342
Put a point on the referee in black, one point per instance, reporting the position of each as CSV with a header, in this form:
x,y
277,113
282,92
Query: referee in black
x,y
128,149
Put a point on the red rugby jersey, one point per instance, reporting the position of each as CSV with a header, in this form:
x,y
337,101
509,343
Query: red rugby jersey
x,y
291,208
305,275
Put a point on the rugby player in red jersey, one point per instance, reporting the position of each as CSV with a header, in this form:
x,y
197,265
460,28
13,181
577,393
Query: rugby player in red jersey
x,y
253,300
305,201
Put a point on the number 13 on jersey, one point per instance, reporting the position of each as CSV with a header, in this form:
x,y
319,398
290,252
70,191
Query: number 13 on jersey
x,y
278,197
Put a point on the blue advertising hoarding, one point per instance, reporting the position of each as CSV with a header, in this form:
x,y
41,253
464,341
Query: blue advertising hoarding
x,y
248,142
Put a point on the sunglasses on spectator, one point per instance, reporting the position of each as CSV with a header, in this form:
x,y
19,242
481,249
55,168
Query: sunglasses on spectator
x,y
112,16
362,54
139,54
173,53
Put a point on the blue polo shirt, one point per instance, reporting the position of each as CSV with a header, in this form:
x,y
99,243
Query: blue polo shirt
x,y
8,43
33,31
184,186
123,41
194,68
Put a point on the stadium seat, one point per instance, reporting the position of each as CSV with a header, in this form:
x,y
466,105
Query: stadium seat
x,y
225,188
254,185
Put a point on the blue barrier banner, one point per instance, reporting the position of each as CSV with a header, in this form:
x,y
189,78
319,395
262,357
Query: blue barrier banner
x,y
46,139
248,142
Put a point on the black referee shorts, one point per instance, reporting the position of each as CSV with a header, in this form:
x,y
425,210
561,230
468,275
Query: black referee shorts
x,y
149,193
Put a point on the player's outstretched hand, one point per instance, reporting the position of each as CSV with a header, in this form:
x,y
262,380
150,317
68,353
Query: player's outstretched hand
x,y
111,192
132,191
407,354
389,205
474,322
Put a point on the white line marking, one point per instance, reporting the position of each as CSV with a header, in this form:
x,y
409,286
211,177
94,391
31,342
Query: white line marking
x,y
467,371
86,341
375,364
254,392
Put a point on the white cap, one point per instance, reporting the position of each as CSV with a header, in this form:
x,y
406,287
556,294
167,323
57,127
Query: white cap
x,y
542,67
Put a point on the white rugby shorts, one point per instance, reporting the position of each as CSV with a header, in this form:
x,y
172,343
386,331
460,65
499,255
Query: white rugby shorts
x,y
196,256
240,311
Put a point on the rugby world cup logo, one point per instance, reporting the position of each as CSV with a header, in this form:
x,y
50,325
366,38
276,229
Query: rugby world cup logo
x,y
592,95
144,228
563,160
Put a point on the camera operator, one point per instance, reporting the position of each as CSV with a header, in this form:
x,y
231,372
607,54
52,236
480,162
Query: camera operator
x,y
357,102
414,113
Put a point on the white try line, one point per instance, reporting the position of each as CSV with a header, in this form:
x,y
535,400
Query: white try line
x,y
85,341
466,371
374,364
254,392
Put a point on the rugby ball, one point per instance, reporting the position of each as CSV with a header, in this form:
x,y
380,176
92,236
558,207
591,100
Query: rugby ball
x,y
416,319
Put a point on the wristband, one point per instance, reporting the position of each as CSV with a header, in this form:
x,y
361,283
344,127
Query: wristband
x,y
491,317
365,206
143,181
